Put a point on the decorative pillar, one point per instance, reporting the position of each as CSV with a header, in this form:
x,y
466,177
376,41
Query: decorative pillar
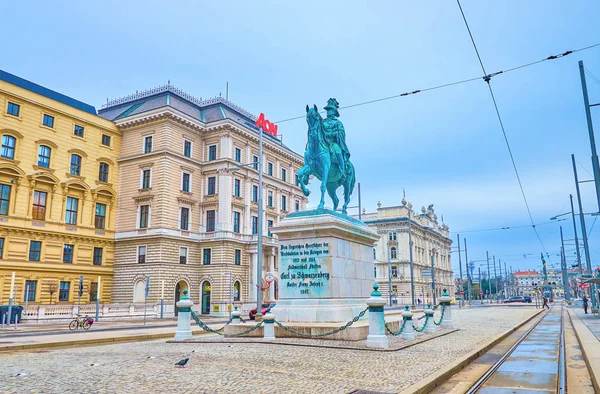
x,y
184,330
408,333
235,315
429,317
272,269
252,281
376,337
445,302
269,326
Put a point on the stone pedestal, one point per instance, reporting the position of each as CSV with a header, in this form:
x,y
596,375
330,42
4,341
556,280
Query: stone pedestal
x,y
269,327
445,303
376,337
326,266
184,330
430,329
408,333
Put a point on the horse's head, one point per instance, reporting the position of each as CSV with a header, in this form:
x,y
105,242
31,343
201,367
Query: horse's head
x,y
313,119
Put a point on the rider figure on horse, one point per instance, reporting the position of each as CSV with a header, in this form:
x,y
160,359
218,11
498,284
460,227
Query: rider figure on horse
x,y
335,136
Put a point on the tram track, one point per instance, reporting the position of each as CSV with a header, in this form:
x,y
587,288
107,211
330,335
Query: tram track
x,y
536,361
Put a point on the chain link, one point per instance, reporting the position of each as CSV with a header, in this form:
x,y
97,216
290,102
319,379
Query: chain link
x,y
399,331
248,331
207,328
441,316
342,328
424,325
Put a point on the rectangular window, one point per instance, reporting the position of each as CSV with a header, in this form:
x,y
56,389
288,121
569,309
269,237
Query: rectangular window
x,y
103,172
93,291
185,182
212,152
98,256
183,255
35,250
105,140
238,155
1,247
99,220
297,180
148,144
38,211
255,162
75,165
283,203
210,221
141,254
78,131
269,198
270,169
71,213
394,271
211,185
146,179
13,109
254,193
269,225
144,215
48,120
297,205
8,146
254,224
4,199
30,287
238,257
206,256
236,222
63,293
68,254
185,218
44,156
284,174
187,148
236,187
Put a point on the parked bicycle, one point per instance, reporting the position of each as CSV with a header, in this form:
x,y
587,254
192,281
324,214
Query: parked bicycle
x,y
84,322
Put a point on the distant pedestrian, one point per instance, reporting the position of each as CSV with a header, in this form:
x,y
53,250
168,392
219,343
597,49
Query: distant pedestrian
x,y
545,303
585,304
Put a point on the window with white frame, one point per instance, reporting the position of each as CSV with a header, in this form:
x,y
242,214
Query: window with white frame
x,y
141,254
146,179
186,182
187,148
183,255
184,218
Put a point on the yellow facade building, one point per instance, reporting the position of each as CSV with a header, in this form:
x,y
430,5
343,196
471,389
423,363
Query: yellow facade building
x,y
58,182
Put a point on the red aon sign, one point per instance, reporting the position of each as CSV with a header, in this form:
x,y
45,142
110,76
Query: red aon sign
x,y
267,126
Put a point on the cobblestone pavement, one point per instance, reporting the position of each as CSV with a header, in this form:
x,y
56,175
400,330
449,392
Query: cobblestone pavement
x,y
243,368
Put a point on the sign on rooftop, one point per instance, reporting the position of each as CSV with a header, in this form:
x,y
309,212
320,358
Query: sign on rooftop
x,y
266,125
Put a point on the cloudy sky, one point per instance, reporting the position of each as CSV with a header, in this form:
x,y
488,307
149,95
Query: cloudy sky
x,y
443,146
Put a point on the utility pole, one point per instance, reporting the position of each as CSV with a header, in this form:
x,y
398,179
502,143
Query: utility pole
x,y
586,247
460,269
389,273
469,281
412,271
495,277
500,282
433,275
480,283
487,257
588,116
576,239
563,266
359,205
505,279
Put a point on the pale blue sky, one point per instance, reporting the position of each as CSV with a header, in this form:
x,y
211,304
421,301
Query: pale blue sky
x,y
444,146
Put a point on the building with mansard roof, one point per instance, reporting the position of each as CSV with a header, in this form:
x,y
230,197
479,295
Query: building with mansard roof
x,y
185,219
392,251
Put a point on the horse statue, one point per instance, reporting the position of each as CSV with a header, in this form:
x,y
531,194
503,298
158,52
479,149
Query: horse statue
x,y
325,159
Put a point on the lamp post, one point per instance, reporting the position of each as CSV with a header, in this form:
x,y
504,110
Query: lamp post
x,y
433,275
412,272
390,275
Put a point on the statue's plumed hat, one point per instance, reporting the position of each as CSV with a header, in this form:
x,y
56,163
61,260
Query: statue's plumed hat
x,y
333,104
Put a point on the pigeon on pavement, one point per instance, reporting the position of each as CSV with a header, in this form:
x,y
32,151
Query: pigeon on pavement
x,y
181,363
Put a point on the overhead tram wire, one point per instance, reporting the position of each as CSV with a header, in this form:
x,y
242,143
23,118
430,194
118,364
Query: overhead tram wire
x,y
592,76
487,79
507,227
484,77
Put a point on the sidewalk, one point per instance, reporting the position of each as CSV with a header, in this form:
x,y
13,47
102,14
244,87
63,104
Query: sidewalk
x,y
587,330
37,336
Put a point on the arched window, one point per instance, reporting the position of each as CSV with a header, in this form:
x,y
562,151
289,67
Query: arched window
x,y
237,290
139,291
44,156
393,253
75,164
8,146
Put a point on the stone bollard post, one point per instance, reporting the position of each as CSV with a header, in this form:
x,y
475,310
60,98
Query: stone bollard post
x,y
235,315
429,316
376,337
269,326
184,330
447,310
408,333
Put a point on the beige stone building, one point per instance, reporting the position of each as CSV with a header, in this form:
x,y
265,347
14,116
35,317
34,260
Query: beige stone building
x,y
185,220
58,181
392,223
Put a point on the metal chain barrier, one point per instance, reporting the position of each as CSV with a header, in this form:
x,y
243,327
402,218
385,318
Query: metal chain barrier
x,y
207,328
248,331
342,328
397,332
441,316
424,325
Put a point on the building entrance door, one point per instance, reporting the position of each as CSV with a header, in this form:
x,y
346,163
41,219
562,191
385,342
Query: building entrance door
x,y
205,298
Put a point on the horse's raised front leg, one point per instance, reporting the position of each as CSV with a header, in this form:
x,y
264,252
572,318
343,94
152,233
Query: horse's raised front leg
x,y
303,179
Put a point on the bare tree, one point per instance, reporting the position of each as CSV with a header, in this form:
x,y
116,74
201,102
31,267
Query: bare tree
x,y
52,288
